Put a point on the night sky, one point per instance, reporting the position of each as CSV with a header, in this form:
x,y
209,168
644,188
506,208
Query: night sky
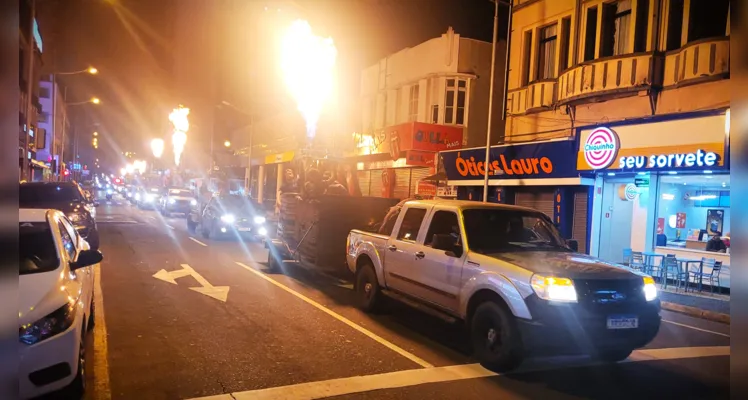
x,y
131,43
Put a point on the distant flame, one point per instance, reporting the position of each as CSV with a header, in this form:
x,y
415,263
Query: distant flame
x,y
308,64
178,118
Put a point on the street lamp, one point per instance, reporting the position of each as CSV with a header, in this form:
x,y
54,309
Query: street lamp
x,y
95,100
178,118
227,143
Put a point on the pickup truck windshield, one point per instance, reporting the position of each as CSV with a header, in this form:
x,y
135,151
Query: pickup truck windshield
x,y
493,230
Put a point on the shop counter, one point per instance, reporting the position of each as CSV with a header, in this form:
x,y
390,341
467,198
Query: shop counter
x,y
724,276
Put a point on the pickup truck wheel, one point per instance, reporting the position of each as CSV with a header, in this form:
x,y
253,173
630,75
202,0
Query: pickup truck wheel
x,y
367,289
273,263
495,338
613,355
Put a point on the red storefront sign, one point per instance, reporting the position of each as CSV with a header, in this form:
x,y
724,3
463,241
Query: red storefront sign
x,y
424,137
418,158
426,189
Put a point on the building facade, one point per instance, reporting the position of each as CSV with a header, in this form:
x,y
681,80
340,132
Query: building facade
x,y
53,123
641,87
28,119
419,101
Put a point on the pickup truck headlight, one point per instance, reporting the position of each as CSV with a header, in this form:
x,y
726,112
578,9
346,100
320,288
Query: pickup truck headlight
x,y
193,202
259,220
554,288
650,289
56,322
228,218
76,218
148,197
172,201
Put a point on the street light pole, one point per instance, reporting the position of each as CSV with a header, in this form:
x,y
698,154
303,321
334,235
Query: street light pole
x,y
490,95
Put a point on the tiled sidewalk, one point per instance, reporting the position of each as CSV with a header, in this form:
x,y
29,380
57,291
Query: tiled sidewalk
x,y
710,303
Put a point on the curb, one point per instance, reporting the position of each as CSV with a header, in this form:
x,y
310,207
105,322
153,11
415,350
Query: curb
x,y
696,312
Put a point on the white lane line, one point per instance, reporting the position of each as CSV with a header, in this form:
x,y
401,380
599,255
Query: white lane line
x,y
342,319
695,328
413,377
197,241
100,350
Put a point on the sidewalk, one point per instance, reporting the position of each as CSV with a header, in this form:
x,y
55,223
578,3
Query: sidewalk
x,y
714,307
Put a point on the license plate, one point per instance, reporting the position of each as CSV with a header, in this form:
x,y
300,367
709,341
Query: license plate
x,y
623,322
244,229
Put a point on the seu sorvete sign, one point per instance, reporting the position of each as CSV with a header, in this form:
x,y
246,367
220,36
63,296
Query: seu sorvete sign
x,y
553,159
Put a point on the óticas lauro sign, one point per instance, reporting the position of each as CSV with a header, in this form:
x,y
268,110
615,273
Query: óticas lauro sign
x,y
536,160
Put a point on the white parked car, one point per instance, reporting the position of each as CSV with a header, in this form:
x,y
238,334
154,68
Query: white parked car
x,y
55,303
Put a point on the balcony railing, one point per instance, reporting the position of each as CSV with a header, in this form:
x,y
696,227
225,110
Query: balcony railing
x,y
535,96
618,74
698,61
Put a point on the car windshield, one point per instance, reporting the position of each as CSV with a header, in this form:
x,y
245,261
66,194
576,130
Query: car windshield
x,y
180,192
30,194
235,204
36,248
493,230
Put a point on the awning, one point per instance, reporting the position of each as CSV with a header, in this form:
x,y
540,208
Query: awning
x,y
38,164
437,177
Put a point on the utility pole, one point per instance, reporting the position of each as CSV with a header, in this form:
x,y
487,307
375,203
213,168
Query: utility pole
x,y
25,165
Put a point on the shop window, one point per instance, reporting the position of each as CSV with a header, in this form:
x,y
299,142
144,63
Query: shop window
x,y
691,209
413,103
547,52
707,19
615,28
590,34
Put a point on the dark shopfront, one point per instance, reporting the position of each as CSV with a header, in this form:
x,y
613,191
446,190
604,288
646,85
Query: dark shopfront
x,y
539,175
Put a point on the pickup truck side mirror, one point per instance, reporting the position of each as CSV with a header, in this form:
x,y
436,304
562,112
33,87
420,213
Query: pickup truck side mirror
x,y
573,244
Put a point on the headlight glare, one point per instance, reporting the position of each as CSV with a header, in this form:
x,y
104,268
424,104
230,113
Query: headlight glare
x,y
148,197
554,288
228,218
650,289
259,220
172,201
75,217
193,202
56,322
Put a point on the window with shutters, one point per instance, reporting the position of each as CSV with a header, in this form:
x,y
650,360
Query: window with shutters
x,y
455,102
413,103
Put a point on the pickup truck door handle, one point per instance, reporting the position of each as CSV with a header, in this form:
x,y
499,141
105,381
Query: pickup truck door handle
x,y
392,248
419,255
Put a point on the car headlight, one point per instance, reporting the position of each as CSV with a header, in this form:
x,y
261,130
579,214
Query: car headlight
x,y
554,288
56,322
650,289
172,201
262,231
109,191
148,197
137,196
259,220
193,202
228,218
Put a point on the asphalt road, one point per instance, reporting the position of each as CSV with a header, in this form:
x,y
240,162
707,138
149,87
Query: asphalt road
x,y
248,334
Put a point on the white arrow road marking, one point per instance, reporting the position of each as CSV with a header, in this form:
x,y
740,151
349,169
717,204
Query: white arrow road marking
x,y
220,293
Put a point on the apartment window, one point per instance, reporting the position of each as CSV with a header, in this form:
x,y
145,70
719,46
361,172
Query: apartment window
x,y
413,103
547,52
642,25
590,34
44,92
615,28
435,114
563,58
527,51
674,25
707,19
456,97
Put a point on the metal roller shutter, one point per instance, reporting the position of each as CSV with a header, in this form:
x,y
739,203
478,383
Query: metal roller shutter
x,y
579,226
402,183
364,182
375,186
539,200
416,174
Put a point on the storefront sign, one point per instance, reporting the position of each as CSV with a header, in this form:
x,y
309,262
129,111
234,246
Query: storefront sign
x,y
687,144
426,189
425,137
641,181
446,191
680,220
419,158
660,226
553,159
279,158
627,192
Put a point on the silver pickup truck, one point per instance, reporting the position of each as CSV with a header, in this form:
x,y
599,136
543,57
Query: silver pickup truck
x,y
506,272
